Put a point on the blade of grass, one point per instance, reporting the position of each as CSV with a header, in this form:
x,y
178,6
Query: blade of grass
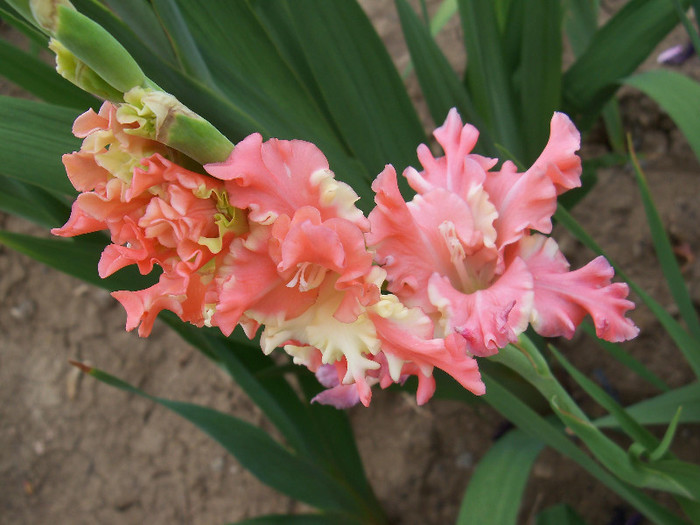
x,y
32,203
614,52
560,514
33,136
439,83
540,79
139,15
359,82
660,409
521,415
664,251
687,24
496,487
488,79
625,421
182,41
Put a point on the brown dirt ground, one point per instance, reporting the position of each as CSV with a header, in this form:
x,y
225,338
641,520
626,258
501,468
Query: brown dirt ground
x,y
73,451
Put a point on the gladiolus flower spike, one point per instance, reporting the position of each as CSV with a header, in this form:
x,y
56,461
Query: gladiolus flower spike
x,y
270,239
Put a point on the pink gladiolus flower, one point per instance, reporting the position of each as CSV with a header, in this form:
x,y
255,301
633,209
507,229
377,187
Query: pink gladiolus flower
x,y
463,249
304,272
156,212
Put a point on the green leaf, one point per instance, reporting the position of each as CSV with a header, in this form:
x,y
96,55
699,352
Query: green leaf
x,y
540,73
511,407
183,43
439,83
560,514
626,422
664,251
358,80
8,15
659,410
688,345
614,52
496,487
526,360
678,95
40,79
255,450
33,136
488,77
322,434
32,203
139,15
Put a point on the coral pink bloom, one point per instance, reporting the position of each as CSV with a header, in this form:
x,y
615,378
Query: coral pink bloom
x,y
457,250
304,272
156,212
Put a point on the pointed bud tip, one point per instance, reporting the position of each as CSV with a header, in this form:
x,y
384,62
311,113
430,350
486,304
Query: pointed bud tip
x,y
81,366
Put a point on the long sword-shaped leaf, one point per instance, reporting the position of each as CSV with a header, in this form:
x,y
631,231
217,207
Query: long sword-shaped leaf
x,y
359,82
660,409
40,79
305,427
540,78
439,83
664,252
678,95
511,407
32,203
139,15
488,77
254,449
560,514
614,52
496,488
670,475
188,54
33,136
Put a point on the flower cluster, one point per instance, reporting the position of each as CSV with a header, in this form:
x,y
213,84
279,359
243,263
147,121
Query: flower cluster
x,y
269,238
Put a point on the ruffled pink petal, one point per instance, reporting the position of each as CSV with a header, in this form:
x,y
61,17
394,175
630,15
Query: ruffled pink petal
x,y
182,295
250,282
89,122
83,172
79,223
488,319
457,171
341,397
433,233
280,176
410,340
558,161
523,201
563,298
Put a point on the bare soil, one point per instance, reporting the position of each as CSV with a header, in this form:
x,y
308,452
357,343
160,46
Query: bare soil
x,y
74,451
